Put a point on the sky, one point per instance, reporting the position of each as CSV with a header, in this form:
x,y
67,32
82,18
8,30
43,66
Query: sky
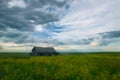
x,y
66,25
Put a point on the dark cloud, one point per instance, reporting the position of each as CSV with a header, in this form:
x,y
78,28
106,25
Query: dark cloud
x,y
13,35
19,18
2,27
23,39
41,17
85,41
112,34
106,38
15,23
42,3
109,37
10,33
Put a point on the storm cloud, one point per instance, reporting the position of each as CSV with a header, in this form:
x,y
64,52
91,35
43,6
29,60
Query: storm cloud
x,y
59,22
21,16
15,16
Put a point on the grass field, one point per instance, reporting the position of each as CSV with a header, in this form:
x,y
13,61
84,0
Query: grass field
x,y
97,66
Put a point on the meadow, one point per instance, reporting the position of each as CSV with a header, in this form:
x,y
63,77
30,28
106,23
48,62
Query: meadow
x,y
93,66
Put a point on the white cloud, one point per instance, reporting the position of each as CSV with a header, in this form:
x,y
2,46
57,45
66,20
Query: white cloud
x,y
39,28
60,0
88,17
94,43
17,3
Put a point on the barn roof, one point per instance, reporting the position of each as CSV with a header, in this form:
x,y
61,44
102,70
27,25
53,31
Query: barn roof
x,y
44,49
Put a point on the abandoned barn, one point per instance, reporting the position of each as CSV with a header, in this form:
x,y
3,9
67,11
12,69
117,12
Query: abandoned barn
x,y
39,51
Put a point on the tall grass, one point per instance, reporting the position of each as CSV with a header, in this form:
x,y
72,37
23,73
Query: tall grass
x,y
62,67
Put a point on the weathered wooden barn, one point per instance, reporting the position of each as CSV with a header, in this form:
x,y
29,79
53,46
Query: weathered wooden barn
x,y
39,51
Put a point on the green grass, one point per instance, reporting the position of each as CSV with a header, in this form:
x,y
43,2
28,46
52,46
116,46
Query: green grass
x,y
63,67
14,55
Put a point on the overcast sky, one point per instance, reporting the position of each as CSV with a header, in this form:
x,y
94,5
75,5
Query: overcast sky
x,y
67,25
